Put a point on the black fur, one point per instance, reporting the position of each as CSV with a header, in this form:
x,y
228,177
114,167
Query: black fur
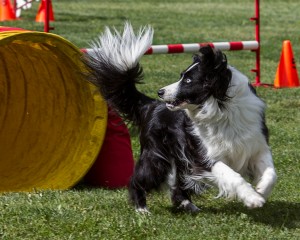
x,y
167,139
210,77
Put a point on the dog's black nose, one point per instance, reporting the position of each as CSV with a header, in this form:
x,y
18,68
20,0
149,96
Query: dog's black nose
x,y
161,92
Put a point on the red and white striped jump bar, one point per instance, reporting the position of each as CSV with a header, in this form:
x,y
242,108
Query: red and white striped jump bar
x,y
195,47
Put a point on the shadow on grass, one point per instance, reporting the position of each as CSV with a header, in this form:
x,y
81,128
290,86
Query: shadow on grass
x,y
277,214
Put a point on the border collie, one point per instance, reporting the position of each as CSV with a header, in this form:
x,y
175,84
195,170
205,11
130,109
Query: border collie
x,y
209,127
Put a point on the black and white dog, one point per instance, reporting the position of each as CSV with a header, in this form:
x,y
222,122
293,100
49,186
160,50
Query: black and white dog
x,y
209,129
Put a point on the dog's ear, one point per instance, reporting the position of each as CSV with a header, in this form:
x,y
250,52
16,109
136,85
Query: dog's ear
x,y
214,64
220,76
205,57
220,63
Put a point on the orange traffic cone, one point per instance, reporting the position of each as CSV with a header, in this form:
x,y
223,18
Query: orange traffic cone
x,y
286,75
40,16
6,11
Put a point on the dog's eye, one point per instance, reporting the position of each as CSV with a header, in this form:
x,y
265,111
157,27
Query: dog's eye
x,y
187,80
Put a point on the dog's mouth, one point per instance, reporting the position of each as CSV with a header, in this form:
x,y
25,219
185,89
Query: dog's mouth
x,y
174,105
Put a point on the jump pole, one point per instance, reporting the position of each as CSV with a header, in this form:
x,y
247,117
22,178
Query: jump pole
x,y
256,19
253,45
195,47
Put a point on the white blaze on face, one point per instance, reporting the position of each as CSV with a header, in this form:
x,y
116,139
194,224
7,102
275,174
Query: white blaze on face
x,y
191,67
171,92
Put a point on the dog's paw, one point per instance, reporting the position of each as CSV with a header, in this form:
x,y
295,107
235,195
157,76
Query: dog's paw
x,y
264,191
143,211
254,201
264,188
188,207
191,208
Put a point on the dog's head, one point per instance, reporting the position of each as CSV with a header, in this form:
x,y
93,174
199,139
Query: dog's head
x,y
207,76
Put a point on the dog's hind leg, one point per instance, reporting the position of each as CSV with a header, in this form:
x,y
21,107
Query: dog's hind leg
x,y
181,200
180,195
138,196
150,173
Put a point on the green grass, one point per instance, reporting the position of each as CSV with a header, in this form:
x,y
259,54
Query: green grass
x,y
85,213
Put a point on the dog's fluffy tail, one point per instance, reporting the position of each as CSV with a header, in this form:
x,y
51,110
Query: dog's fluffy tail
x,y
114,68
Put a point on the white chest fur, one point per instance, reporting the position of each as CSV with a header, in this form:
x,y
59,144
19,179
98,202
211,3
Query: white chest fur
x,y
231,134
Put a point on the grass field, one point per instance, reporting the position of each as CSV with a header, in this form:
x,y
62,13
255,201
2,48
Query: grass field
x,y
86,213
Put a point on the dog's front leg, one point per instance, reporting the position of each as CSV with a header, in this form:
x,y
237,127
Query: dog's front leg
x,y
264,173
232,184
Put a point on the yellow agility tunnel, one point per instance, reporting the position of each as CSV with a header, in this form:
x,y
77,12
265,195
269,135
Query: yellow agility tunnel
x,y
52,121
